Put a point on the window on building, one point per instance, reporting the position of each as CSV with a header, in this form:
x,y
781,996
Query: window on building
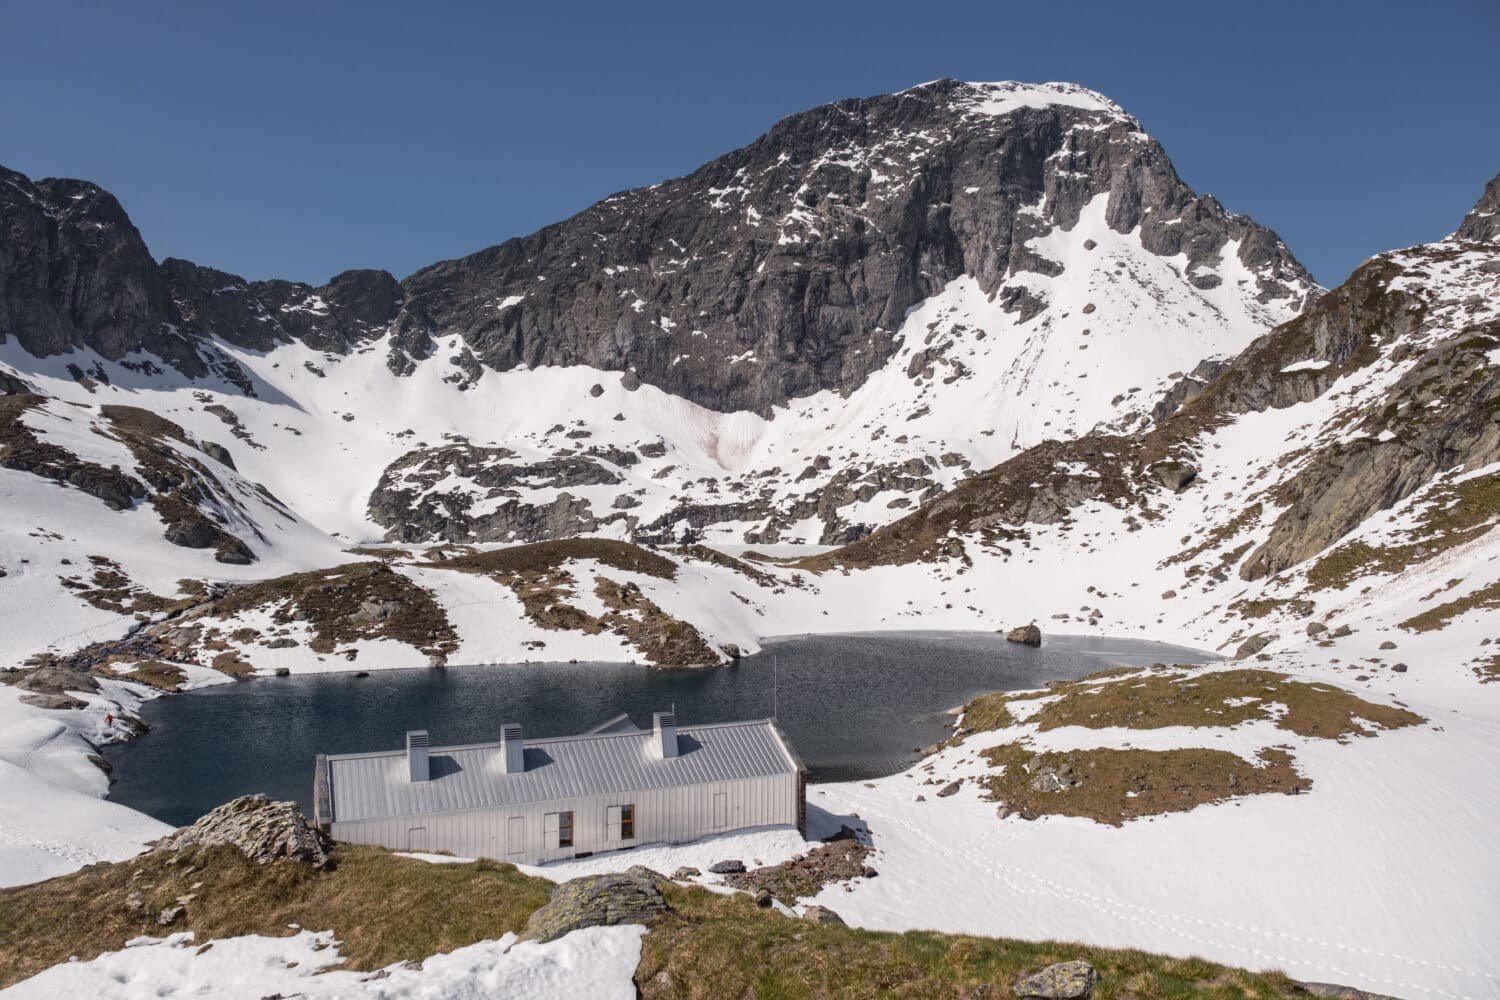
x,y
620,822
557,829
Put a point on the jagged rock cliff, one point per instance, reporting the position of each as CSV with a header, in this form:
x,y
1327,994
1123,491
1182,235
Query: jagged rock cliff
x,y
807,247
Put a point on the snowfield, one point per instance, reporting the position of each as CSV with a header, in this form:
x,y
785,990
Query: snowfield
x,y
596,962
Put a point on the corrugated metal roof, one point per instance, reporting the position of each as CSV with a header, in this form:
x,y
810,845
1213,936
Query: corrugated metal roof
x,y
376,785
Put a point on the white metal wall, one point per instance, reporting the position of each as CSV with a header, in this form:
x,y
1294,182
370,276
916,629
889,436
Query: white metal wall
x,y
667,815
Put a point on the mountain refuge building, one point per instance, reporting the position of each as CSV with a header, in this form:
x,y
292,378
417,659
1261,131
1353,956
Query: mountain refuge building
x,y
532,801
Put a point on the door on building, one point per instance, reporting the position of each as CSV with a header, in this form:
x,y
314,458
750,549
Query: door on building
x,y
721,810
416,838
515,836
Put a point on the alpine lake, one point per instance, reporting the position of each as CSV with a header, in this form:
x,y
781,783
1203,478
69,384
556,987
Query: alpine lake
x,y
855,706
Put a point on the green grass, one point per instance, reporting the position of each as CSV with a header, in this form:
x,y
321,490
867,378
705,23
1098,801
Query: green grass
x,y
329,601
1130,699
1219,698
1115,786
710,947
1439,616
543,557
386,909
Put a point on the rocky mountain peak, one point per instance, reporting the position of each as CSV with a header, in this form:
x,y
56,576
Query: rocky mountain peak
x,y
1482,224
804,250
778,270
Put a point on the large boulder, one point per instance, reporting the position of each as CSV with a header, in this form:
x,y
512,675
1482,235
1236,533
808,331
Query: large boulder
x,y
629,897
261,830
1064,981
1027,635
1254,645
1175,476
56,680
55,702
822,915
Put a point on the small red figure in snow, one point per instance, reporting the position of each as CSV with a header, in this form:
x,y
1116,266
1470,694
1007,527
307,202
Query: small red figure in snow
x,y
109,719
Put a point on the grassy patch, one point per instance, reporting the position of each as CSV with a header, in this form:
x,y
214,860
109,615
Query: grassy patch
x,y
363,600
990,711
543,557
109,589
710,947
663,639
1218,698
709,555
1439,616
387,909
384,908
155,673
1112,786
1252,610
538,574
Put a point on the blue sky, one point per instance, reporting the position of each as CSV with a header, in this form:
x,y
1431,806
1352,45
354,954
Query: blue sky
x,y
297,140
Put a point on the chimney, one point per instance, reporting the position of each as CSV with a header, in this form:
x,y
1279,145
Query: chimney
x,y
512,748
416,755
664,731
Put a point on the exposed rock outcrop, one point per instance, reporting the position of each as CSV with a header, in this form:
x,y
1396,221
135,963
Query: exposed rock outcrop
x,y
1483,223
1064,981
261,830
629,897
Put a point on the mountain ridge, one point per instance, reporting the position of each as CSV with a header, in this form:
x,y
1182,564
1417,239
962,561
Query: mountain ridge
x,y
824,316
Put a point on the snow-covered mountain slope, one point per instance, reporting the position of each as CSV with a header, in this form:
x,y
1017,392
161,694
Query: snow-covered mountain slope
x,y
1345,464
789,345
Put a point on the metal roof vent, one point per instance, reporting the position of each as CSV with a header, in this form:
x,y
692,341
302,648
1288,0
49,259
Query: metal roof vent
x,y
512,748
664,734
416,755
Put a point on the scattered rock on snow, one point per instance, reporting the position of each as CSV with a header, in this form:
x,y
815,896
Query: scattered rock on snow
x,y
733,866
685,872
1063,981
950,788
1253,645
822,915
629,897
1175,476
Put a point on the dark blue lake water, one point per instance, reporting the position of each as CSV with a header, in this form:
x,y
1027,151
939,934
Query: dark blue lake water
x,y
855,706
